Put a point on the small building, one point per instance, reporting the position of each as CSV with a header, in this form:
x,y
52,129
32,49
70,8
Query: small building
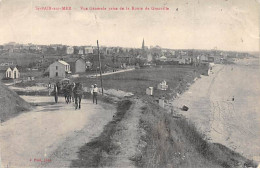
x,y
59,69
162,86
182,61
149,91
70,50
204,58
163,59
10,72
89,50
81,52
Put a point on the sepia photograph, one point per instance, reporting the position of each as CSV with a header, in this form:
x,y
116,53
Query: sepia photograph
x,y
129,84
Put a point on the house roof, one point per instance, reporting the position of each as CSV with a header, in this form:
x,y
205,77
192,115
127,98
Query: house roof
x,y
63,62
163,57
81,59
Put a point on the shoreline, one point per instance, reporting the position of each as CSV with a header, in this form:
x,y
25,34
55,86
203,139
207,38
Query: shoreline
x,y
214,113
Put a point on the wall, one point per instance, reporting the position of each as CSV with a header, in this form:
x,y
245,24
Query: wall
x,y
80,66
61,70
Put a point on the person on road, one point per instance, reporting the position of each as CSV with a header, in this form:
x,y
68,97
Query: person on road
x,y
56,93
49,88
94,92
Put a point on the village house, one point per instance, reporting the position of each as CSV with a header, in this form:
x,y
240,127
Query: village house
x,y
59,69
77,65
10,72
70,50
89,50
81,52
203,58
163,59
80,65
186,60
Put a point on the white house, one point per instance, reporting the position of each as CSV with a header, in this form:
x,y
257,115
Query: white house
x,y
59,69
12,73
81,52
89,50
163,59
70,50
203,58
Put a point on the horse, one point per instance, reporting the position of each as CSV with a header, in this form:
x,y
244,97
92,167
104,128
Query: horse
x,y
78,93
67,91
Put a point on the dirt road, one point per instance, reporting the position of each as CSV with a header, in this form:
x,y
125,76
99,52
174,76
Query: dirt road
x,y
233,123
49,136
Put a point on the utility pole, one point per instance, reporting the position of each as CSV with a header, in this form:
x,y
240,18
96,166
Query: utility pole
x,y
100,70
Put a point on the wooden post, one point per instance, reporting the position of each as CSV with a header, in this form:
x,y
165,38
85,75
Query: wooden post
x,y
100,69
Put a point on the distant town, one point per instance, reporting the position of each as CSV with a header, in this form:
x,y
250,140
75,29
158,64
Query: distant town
x,y
18,58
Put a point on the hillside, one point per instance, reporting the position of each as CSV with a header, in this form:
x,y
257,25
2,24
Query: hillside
x,y
144,135
10,103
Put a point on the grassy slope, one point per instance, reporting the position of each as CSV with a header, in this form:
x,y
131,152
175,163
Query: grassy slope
x,y
174,142
10,103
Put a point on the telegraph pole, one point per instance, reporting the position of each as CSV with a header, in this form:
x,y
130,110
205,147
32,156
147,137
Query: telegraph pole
x,y
100,70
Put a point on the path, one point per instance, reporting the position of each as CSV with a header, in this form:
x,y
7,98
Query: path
x,y
110,73
49,136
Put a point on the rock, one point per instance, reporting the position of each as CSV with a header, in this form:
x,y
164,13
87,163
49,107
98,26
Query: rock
x,y
185,108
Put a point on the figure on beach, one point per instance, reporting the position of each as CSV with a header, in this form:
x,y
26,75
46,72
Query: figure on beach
x,y
94,93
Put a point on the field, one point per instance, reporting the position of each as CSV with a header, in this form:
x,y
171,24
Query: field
x,y
20,59
138,80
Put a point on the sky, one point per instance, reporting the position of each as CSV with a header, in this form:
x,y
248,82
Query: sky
x,y
188,24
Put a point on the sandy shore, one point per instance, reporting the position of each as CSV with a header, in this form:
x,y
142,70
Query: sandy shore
x,y
235,124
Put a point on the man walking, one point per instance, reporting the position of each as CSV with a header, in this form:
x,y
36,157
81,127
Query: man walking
x,y
94,92
49,88
56,93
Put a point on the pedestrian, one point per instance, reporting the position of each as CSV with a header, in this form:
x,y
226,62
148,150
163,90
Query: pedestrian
x,y
49,88
56,93
72,89
94,92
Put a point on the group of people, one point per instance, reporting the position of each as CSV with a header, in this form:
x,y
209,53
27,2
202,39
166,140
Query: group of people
x,y
56,90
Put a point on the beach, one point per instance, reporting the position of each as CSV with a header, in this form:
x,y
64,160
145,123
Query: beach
x,y
225,106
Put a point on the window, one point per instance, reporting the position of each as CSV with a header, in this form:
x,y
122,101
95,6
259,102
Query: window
x,y
14,74
56,67
56,74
